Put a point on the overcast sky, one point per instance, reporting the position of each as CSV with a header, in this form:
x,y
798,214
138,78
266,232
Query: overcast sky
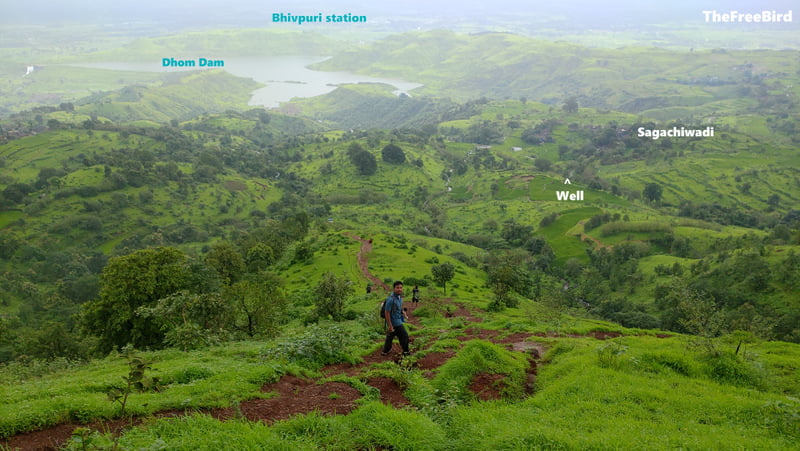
x,y
249,13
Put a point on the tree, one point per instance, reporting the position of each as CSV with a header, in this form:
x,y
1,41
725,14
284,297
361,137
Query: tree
x,y
259,304
543,164
652,192
442,274
190,320
501,288
510,270
128,283
364,161
259,256
485,132
224,258
571,105
331,294
393,154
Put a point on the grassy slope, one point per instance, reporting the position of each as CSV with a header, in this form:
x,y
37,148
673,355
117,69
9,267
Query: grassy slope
x,y
181,96
631,79
636,391
53,82
381,202
28,156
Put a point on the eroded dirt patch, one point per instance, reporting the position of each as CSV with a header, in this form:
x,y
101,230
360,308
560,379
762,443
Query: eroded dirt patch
x,y
476,333
391,392
49,439
434,360
299,396
363,262
463,312
487,386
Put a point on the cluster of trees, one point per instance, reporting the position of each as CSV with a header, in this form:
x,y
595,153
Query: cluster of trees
x,y
734,287
734,296
160,296
366,163
540,133
483,132
49,286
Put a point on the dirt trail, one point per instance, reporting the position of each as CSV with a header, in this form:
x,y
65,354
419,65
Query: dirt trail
x,y
363,262
293,395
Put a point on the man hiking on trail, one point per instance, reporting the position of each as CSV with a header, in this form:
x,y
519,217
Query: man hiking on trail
x,y
395,317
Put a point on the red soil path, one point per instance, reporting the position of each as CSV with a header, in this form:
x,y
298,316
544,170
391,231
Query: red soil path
x,y
293,395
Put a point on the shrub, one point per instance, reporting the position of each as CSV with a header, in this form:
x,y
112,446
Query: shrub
x,y
321,345
608,355
191,374
730,369
418,281
661,362
331,295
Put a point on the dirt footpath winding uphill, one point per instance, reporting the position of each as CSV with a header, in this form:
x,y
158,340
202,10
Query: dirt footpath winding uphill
x,y
363,262
293,395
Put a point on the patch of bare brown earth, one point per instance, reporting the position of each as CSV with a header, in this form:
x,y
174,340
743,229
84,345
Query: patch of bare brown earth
x,y
487,386
391,392
434,360
298,396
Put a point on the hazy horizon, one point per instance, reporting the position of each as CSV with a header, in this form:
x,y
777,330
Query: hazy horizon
x,y
181,14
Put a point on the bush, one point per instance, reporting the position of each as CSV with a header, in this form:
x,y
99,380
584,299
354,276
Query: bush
x,y
636,319
321,345
465,259
608,355
393,154
418,281
191,374
730,369
661,362
331,295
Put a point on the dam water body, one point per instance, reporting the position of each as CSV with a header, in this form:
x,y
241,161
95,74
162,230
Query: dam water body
x,y
285,77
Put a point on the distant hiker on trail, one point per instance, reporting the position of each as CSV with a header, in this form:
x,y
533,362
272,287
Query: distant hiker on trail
x,y
369,288
395,317
415,295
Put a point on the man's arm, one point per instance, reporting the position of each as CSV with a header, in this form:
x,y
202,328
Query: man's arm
x,y
387,315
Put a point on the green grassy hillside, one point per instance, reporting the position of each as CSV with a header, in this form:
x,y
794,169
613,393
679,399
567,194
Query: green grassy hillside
x,y
582,287
671,84
181,96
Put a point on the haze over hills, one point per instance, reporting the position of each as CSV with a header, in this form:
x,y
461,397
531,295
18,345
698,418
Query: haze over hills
x,y
606,238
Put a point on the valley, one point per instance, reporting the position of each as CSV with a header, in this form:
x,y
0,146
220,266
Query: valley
x,y
185,241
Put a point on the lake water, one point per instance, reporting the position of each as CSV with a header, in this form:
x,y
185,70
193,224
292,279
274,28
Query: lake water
x,y
285,77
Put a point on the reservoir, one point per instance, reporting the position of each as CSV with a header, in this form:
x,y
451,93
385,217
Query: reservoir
x,y
285,77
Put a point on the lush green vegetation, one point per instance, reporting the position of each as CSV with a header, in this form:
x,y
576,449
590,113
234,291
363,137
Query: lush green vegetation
x,y
670,85
166,246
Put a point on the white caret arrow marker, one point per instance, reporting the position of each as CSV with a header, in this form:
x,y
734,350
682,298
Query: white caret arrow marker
x,y
567,182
